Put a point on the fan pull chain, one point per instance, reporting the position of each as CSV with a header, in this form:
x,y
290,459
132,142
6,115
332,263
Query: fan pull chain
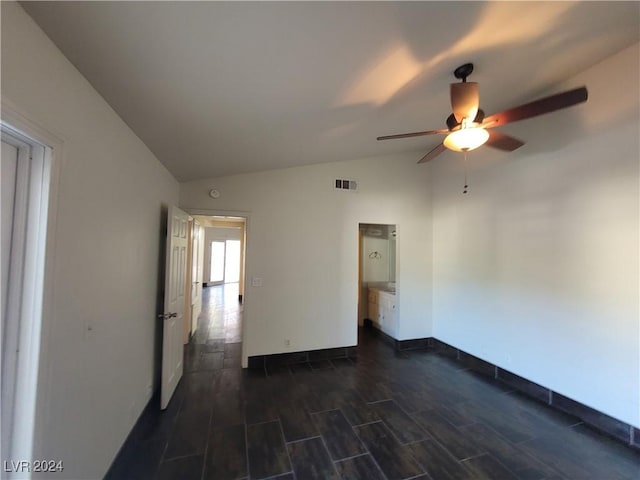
x,y
466,186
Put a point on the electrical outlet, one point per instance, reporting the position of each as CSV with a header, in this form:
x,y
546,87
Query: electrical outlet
x,y
287,342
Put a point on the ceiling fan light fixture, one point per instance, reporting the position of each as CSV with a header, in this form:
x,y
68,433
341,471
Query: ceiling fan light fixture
x,y
466,139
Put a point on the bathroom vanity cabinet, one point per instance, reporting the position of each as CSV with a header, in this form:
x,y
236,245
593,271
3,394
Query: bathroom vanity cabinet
x,y
382,310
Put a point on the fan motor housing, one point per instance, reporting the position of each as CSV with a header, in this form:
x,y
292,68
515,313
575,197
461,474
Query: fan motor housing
x,y
453,124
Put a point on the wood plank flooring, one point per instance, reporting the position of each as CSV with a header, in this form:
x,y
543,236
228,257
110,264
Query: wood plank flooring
x,y
388,415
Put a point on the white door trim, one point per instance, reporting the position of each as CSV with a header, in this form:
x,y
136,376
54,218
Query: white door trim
x,y
13,402
42,280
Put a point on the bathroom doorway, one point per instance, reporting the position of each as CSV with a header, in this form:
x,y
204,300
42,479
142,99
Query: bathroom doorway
x,y
377,275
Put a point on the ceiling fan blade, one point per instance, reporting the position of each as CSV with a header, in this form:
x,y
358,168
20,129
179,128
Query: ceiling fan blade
x,y
433,153
538,107
465,100
503,142
413,134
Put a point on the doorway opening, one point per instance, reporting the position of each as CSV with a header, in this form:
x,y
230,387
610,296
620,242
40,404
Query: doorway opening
x,y
217,255
377,292
217,275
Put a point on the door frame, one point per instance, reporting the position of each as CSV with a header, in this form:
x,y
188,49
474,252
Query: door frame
x,y
361,308
244,267
186,327
41,295
196,240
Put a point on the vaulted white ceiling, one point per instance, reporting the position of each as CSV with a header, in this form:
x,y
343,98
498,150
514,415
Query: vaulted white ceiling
x,y
219,88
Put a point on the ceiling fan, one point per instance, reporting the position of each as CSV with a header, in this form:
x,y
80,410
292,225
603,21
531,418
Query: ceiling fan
x,y
468,128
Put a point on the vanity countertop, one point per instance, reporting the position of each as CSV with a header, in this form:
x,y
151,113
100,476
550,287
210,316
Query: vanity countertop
x,y
385,289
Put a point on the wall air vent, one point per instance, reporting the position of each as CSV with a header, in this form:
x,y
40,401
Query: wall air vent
x,y
345,185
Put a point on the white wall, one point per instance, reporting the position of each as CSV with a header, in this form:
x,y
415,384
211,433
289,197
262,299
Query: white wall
x,y
536,269
107,239
302,240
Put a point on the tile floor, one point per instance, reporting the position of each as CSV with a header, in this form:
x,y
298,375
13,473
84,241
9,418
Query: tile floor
x,y
388,415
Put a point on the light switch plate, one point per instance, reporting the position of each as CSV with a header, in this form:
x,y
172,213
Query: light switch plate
x,y
256,282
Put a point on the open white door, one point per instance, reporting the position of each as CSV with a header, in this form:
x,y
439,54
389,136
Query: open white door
x,y
174,301
197,249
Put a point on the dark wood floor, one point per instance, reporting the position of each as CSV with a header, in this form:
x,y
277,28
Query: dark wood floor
x,y
385,416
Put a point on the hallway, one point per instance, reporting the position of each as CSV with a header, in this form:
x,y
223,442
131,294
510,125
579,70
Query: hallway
x,y
216,342
384,415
